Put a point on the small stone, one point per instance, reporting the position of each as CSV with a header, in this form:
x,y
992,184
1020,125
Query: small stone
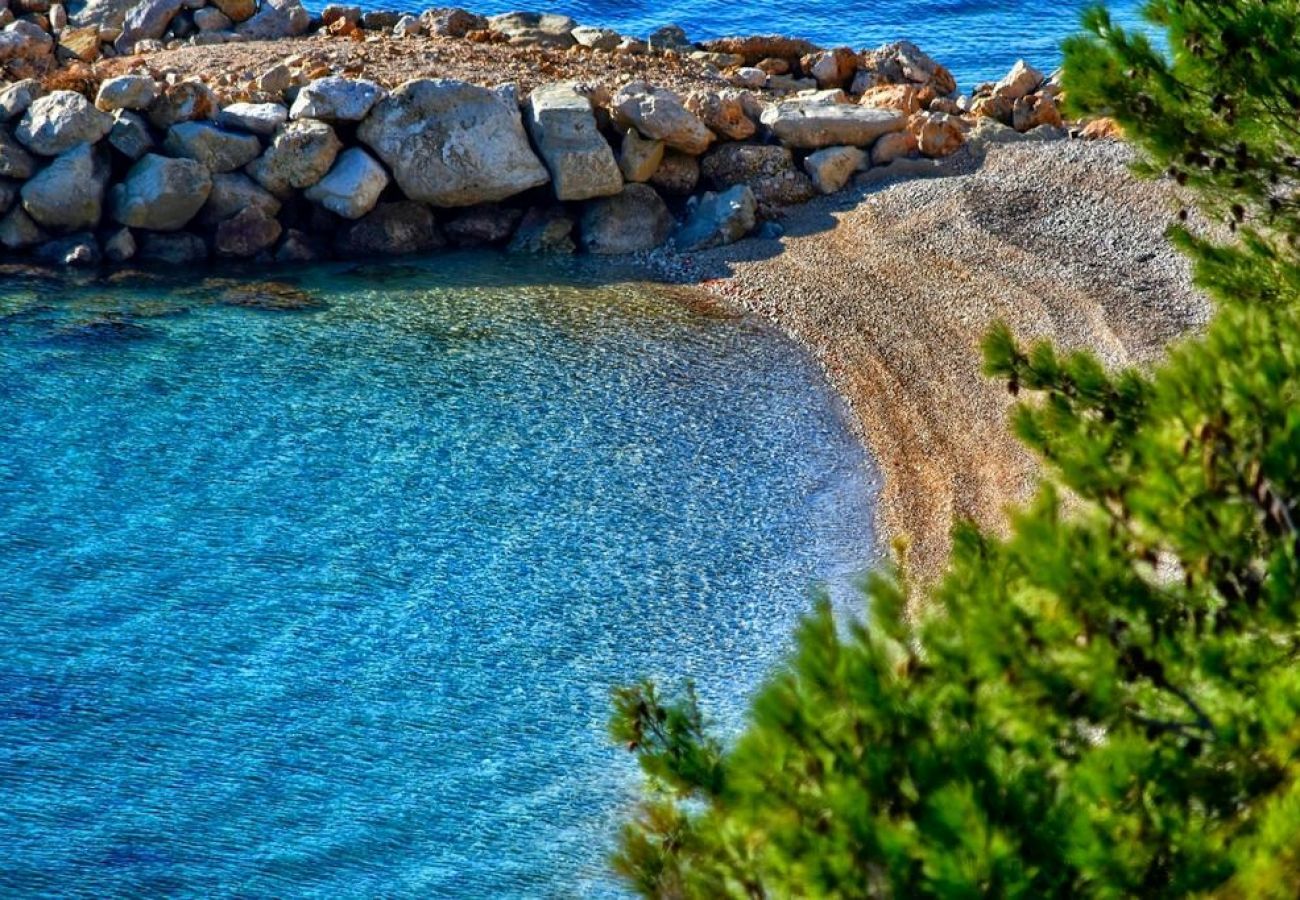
x,y
723,112
899,145
275,80
81,43
750,77
1034,110
184,101
79,250
605,39
938,134
407,26
451,22
1022,80
337,13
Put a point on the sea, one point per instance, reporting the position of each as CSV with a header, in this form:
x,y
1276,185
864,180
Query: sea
x,y
979,40
318,586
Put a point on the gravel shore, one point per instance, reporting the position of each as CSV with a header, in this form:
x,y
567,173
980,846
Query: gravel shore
x,y
893,286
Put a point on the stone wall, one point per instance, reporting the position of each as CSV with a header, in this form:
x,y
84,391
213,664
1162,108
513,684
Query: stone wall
x,y
160,167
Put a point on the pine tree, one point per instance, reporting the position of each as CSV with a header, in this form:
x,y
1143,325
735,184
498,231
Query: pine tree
x,y
1106,703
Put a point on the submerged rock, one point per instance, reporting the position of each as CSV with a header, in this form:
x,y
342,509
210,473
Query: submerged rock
x,y
246,233
392,229
544,230
479,225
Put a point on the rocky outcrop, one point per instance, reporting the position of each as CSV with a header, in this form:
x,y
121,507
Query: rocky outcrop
x,y
633,220
449,143
580,160
246,233
161,194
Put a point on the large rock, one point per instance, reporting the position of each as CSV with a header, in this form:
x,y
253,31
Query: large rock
x,y
1034,110
146,21
246,233
449,143
830,169
130,135
68,194
718,219
352,187
160,193
723,112
301,154
335,99
255,118
275,19
106,15
832,68
813,125
126,92
659,114
902,63
756,48
59,121
634,220
535,29
232,193
15,98
15,162
606,39
392,229
220,151
564,129
236,10
899,145
938,134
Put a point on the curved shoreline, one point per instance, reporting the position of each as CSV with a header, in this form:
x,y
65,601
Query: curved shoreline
x,y
892,287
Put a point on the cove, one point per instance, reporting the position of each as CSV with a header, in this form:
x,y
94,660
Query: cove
x,y
319,587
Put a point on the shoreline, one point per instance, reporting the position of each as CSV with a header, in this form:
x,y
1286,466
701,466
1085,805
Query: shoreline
x,y
892,287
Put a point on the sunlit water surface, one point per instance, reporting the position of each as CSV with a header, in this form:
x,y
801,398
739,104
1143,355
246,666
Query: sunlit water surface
x,y
329,602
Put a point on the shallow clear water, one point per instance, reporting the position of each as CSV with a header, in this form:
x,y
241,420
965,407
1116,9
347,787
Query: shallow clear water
x,y
329,602
979,40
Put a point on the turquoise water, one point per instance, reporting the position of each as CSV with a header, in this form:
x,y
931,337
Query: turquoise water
x,y
978,40
327,601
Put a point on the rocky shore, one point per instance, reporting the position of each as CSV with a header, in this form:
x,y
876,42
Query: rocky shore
x,y
178,131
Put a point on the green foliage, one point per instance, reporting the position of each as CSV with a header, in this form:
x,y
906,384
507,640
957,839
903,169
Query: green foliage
x,y
1106,703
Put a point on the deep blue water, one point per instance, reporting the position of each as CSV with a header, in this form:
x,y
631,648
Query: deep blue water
x,y
979,40
328,603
